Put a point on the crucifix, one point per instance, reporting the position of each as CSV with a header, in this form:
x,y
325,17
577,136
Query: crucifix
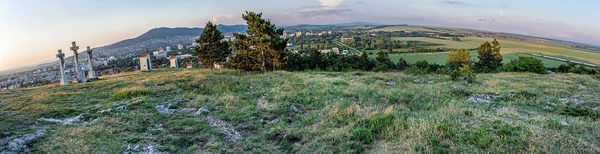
x,y
79,77
61,57
92,74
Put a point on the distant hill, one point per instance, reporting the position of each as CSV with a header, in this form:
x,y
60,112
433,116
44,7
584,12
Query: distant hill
x,y
164,32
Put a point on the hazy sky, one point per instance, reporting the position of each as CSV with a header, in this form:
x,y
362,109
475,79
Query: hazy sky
x,y
31,31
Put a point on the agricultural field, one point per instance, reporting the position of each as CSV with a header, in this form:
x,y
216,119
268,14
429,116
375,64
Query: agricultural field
x,y
464,44
513,47
440,58
424,29
227,111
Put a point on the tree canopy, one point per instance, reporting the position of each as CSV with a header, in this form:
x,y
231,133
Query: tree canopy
x,y
211,49
261,47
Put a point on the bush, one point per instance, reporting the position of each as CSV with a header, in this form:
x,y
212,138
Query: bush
x,y
362,134
402,64
419,68
524,64
464,73
457,58
378,123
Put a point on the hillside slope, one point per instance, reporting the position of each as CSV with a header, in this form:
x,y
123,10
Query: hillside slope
x,y
198,111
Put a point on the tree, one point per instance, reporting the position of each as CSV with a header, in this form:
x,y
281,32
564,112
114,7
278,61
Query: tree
x,y
490,59
211,49
525,64
262,47
457,58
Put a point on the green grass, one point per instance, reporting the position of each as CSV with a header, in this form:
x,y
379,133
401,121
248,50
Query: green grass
x,y
512,46
464,44
352,112
440,58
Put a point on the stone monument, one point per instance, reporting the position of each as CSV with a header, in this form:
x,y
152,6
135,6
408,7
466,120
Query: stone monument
x,y
61,62
79,76
92,73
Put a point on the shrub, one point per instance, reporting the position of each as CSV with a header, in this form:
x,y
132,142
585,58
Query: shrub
x,y
525,64
464,73
457,58
362,134
402,64
379,122
419,68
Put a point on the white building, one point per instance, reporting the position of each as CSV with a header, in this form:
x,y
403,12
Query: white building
x,y
180,47
145,62
174,62
168,48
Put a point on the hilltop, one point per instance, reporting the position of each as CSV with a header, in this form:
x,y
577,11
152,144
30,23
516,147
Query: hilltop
x,y
226,111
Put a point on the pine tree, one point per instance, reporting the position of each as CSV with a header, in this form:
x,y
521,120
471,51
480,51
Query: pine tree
x,y
261,47
211,49
490,59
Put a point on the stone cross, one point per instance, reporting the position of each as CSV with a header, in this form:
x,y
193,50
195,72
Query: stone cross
x,y
63,78
79,77
92,74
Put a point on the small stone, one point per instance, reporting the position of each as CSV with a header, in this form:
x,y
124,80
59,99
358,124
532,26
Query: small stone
x,y
122,108
274,121
564,123
580,86
296,109
249,89
183,100
203,109
390,83
162,109
107,111
549,72
419,80
269,78
430,82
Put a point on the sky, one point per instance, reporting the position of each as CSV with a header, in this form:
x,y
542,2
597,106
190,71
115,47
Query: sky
x,y
31,31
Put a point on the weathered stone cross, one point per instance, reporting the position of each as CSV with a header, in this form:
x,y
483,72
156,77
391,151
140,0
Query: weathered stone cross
x,y
61,56
78,72
92,73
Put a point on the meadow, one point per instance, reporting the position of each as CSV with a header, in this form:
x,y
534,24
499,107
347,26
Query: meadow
x,y
440,58
227,111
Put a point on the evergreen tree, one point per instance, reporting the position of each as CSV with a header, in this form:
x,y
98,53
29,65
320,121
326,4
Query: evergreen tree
x,y
383,58
261,48
211,49
490,59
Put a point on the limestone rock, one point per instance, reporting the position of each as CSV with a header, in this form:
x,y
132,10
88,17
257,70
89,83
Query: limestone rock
x,y
390,83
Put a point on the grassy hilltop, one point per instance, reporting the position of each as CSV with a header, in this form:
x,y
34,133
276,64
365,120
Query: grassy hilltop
x,y
195,111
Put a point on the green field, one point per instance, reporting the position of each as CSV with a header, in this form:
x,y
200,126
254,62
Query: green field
x,y
511,46
440,58
465,44
424,29
306,112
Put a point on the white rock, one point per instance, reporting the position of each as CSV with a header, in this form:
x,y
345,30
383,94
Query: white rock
x,y
564,123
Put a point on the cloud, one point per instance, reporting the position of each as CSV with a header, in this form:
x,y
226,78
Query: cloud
x,y
330,3
454,2
475,5
222,18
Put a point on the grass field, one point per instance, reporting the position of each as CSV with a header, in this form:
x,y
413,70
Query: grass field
x,y
424,29
447,43
440,58
307,112
510,46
